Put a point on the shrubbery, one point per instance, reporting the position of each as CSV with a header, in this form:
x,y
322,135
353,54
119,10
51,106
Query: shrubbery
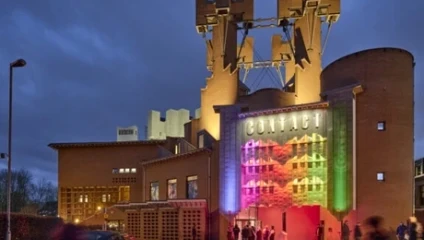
x,y
28,227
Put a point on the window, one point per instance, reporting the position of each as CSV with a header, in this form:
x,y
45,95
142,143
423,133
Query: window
x,y
126,132
418,170
177,148
85,198
201,141
172,189
124,170
124,193
81,198
154,191
192,187
380,176
106,198
422,195
381,126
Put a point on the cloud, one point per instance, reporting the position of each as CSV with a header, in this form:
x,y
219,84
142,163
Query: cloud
x,y
91,68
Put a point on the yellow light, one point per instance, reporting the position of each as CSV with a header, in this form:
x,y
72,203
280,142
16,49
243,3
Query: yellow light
x,y
99,208
77,221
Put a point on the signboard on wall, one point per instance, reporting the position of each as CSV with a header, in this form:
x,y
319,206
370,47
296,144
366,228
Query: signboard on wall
x,y
284,159
284,125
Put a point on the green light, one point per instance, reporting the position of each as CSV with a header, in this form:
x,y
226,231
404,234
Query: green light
x,y
340,159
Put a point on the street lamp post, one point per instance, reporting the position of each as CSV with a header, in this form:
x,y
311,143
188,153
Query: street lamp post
x,y
16,64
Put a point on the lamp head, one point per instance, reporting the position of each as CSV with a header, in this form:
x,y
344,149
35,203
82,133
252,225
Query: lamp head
x,y
18,63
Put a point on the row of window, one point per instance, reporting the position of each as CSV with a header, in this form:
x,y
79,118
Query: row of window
x,y
124,170
309,164
191,189
123,194
84,198
126,132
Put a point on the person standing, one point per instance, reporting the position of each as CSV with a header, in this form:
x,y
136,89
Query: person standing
x,y
229,233
320,231
236,231
375,228
259,234
272,234
252,233
400,231
357,233
345,231
245,232
266,233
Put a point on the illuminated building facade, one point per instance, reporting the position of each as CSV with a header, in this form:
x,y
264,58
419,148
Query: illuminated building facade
x,y
419,189
329,145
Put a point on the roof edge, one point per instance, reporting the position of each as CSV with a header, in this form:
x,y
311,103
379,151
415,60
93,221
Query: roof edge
x,y
346,88
62,145
177,156
316,105
365,51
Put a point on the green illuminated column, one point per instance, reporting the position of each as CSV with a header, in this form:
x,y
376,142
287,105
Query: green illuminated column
x,y
340,202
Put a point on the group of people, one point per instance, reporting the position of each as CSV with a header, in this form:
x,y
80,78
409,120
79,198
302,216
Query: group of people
x,y
250,233
412,230
373,230
331,235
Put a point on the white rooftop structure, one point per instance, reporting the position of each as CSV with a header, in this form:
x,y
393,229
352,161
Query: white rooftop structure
x,y
127,133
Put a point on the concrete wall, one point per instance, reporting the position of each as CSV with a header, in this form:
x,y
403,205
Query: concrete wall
x,y
387,76
172,126
127,134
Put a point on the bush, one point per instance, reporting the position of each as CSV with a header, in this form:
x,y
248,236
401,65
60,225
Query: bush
x,y
28,227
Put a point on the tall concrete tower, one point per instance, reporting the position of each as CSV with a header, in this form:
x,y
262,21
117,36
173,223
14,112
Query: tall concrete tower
x,y
221,19
300,48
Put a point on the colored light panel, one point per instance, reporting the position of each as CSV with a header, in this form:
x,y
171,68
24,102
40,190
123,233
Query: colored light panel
x,y
340,159
292,173
284,160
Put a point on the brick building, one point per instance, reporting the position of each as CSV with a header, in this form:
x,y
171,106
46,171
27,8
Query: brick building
x,y
330,145
419,189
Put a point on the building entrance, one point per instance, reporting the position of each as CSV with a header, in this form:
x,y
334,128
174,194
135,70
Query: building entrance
x,y
252,222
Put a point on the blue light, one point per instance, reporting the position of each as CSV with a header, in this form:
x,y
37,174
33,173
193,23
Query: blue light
x,y
230,196
229,162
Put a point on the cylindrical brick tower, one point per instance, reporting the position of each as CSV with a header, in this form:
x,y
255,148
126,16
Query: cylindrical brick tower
x,y
382,130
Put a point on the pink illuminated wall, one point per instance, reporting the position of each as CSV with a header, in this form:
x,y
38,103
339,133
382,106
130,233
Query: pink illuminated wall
x,y
286,174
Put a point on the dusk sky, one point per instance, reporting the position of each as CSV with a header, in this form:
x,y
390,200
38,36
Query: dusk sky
x,y
95,65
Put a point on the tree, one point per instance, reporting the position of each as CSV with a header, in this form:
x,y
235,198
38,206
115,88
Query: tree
x,y
20,186
44,191
45,196
27,196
